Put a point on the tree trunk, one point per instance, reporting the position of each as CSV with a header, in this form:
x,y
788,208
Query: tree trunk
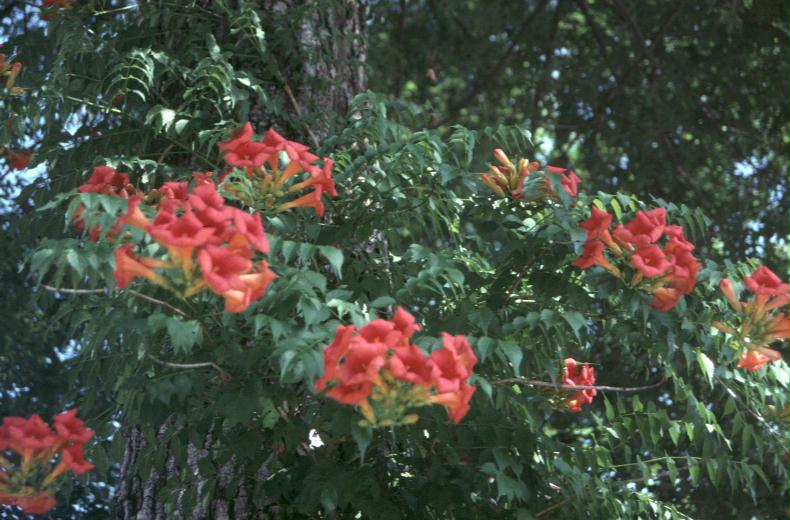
x,y
332,36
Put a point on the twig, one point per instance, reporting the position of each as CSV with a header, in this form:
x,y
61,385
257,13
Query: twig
x,y
552,507
224,376
69,290
494,71
158,302
165,152
603,388
295,103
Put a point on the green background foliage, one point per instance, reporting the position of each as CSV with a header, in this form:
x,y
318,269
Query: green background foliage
x,y
413,226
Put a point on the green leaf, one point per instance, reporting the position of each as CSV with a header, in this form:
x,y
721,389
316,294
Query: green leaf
x,y
694,471
618,211
268,412
575,320
335,258
610,415
514,354
329,497
706,365
184,334
382,301
362,436
674,433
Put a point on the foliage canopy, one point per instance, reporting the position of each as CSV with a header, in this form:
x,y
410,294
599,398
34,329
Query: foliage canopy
x,y
218,409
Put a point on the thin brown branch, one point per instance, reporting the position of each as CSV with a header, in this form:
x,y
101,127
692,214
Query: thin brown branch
x,y
70,290
594,29
659,35
495,71
552,507
603,388
655,38
555,23
622,11
158,302
297,107
164,153
223,375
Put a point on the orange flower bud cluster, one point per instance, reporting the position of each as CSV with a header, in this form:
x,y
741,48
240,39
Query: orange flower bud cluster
x,y
270,166
760,320
507,179
33,455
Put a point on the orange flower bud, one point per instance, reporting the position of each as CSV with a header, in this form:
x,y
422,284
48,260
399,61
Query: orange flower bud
x,y
502,157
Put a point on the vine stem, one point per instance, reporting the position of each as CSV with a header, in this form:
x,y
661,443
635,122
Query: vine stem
x,y
223,375
70,290
603,388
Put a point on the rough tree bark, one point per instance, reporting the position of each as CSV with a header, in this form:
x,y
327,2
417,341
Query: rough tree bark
x,y
332,35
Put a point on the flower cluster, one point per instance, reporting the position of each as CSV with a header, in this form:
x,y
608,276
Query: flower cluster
x,y
10,71
760,320
269,166
507,179
668,271
33,455
578,375
207,243
382,372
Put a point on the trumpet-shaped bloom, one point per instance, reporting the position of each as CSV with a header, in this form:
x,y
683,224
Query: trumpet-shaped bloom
x,y
129,266
180,231
591,255
71,428
256,283
311,200
568,179
222,267
241,151
647,226
454,363
764,282
74,459
358,372
597,224
105,179
752,360
333,353
583,375
39,503
249,229
650,261
665,298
